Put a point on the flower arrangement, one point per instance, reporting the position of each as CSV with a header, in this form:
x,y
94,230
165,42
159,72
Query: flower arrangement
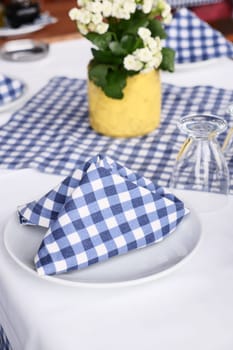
x,y
127,36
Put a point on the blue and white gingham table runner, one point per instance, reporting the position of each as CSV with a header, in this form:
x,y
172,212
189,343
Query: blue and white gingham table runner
x,y
10,89
51,132
194,40
191,3
101,211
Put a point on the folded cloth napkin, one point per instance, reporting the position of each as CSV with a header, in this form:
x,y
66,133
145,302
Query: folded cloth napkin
x,y
101,211
10,89
194,40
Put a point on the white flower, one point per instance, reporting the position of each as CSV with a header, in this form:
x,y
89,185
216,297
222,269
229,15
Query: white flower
x,y
144,33
156,60
101,28
94,7
119,12
82,28
81,3
129,6
143,55
106,8
166,10
84,16
73,14
92,16
147,6
166,13
115,9
131,63
96,18
153,64
154,44
168,19
123,9
122,14
91,27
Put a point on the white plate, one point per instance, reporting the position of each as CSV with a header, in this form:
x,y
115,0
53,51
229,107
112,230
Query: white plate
x,y
22,243
13,104
40,23
24,50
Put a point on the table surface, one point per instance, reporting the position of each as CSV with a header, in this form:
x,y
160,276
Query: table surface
x,y
190,308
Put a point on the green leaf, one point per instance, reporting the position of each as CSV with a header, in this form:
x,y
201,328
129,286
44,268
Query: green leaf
x,y
98,73
168,59
123,27
130,73
129,42
100,40
135,24
106,57
157,29
117,49
116,81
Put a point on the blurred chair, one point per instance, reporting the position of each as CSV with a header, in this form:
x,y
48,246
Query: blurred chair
x,y
213,12
207,10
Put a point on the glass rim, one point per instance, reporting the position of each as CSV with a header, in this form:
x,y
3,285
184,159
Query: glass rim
x,y
221,123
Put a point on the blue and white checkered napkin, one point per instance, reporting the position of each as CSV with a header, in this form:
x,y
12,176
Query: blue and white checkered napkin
x,y
4,341
10,89
194,40
101,211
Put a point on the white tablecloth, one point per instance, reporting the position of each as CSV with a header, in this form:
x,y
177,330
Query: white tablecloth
x,y
190,308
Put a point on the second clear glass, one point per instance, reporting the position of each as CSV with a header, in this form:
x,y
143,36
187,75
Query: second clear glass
x,y
200,164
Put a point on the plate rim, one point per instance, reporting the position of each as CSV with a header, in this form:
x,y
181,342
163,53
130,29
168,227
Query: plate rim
x,y
25,29
86,284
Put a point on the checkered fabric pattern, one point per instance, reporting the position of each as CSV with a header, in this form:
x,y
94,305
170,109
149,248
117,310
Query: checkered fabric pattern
x,y
10,89
111,211
51,132
194,40
4,342
191,3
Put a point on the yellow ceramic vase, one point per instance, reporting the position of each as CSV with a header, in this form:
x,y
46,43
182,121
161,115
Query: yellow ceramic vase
x,y
136,114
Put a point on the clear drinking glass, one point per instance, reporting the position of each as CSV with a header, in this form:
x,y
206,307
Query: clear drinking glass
x,y
200,164
227,147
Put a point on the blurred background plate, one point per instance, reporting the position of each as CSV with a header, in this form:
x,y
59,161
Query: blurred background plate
x,y
38,24
24,50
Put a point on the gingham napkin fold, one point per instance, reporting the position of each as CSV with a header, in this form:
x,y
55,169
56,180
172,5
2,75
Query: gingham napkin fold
x,y
10,89
101,211
194,40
